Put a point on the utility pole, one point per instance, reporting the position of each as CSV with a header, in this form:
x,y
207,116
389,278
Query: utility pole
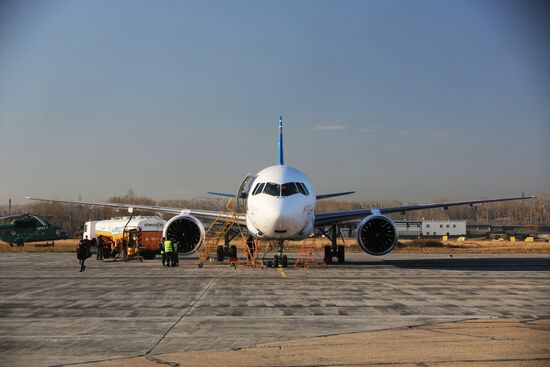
x,y
9,206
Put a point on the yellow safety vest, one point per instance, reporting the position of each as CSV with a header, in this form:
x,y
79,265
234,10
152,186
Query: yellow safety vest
x,y
167,246
175,247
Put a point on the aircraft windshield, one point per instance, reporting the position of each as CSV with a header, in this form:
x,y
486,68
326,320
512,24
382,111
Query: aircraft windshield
x,y
289,189
302,188
259,188
272,189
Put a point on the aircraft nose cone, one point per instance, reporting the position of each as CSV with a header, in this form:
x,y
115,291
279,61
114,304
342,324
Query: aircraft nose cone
x,y
288,218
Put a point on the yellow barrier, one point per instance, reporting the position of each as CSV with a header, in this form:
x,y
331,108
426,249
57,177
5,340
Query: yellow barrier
x,y
529,239
445,238
512,238
461,239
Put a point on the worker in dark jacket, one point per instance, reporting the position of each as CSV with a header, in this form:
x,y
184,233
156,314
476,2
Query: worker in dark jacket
x,y
161,248
175,257
99,245
81,254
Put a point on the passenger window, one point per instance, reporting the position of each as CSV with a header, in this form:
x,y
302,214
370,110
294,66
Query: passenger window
x,y
258,189
289,189
272,189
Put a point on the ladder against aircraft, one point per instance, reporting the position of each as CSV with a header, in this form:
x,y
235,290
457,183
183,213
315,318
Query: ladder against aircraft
x,y
218,230
308,255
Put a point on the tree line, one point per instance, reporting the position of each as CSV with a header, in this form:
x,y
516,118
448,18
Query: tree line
x,y
534,212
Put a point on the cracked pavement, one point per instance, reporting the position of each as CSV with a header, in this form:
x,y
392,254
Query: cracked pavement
x,y
50,314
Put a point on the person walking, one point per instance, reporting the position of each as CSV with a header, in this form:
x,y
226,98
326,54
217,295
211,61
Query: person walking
x,y
87,245
81,254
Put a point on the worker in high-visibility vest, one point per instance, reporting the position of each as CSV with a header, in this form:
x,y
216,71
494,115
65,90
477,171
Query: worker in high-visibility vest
x,y
168,250
161,248
175,257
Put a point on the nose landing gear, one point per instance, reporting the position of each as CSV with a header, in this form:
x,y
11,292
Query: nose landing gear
x,y
280,259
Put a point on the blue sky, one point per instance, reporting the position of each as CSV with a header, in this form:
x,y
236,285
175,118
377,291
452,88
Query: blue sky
x,y
404,100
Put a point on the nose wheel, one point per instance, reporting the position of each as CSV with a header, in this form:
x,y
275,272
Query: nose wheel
x,y
279,259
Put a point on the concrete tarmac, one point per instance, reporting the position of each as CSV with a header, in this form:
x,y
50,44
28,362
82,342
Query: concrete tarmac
x,y
50,314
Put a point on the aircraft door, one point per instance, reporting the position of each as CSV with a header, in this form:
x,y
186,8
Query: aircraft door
x,y
242,194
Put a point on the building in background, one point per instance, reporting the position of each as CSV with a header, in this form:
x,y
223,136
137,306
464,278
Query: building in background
x,y
452,228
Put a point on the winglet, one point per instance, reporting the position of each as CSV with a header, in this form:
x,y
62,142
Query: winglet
x,y
280,157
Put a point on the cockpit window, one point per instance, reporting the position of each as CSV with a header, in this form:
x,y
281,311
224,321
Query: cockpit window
x,y
258,189
289,189
272,189
302,188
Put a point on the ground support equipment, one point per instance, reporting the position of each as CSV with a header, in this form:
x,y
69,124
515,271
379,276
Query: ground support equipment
x,y
308,255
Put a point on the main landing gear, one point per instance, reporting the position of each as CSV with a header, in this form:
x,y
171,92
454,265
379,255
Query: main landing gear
x,y
334,250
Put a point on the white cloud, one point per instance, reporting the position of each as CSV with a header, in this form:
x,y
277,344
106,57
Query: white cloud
x,y
330,127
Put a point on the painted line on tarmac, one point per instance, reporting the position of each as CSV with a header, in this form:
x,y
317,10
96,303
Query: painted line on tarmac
x,y
281,271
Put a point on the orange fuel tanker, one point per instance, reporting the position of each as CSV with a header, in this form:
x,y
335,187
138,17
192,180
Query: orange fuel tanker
x,y
122,235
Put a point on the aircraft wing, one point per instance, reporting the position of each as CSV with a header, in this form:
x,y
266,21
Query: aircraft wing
x,y
322,219
209,214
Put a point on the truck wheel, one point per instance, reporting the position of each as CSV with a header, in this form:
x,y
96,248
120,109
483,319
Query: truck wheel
x,y
233,252
148,255
276,261
285,261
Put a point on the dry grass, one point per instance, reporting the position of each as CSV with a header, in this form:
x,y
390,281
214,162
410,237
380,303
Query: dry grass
x,y
60,246
405,246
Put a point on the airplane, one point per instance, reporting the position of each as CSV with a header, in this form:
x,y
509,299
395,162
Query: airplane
x,y
29,228
278,204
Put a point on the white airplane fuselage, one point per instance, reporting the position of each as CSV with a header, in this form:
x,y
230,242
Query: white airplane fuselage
x,y
278,206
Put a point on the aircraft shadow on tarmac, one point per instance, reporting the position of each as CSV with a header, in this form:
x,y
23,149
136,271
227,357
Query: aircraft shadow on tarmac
x,y
473,264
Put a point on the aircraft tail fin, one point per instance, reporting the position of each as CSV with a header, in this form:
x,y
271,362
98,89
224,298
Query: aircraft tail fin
x,y
280,155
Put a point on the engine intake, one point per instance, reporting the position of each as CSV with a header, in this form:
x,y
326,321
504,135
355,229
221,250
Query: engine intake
x,y
187,231
377,235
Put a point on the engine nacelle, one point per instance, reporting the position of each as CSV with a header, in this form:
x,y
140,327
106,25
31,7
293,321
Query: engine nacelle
x,y
187,231
377,235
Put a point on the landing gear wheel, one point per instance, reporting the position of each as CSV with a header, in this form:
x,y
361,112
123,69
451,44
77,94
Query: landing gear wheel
x,y
220,253
328,255
285,261
233,252
341,255
276,261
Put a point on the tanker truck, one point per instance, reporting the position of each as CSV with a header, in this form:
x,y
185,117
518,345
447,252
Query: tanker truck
x,y
124,236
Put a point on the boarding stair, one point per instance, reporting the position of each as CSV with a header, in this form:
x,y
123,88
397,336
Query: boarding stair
x,y
308,255
216,232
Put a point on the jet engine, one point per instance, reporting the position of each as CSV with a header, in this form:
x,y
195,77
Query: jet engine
x,y
187,231
377,235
